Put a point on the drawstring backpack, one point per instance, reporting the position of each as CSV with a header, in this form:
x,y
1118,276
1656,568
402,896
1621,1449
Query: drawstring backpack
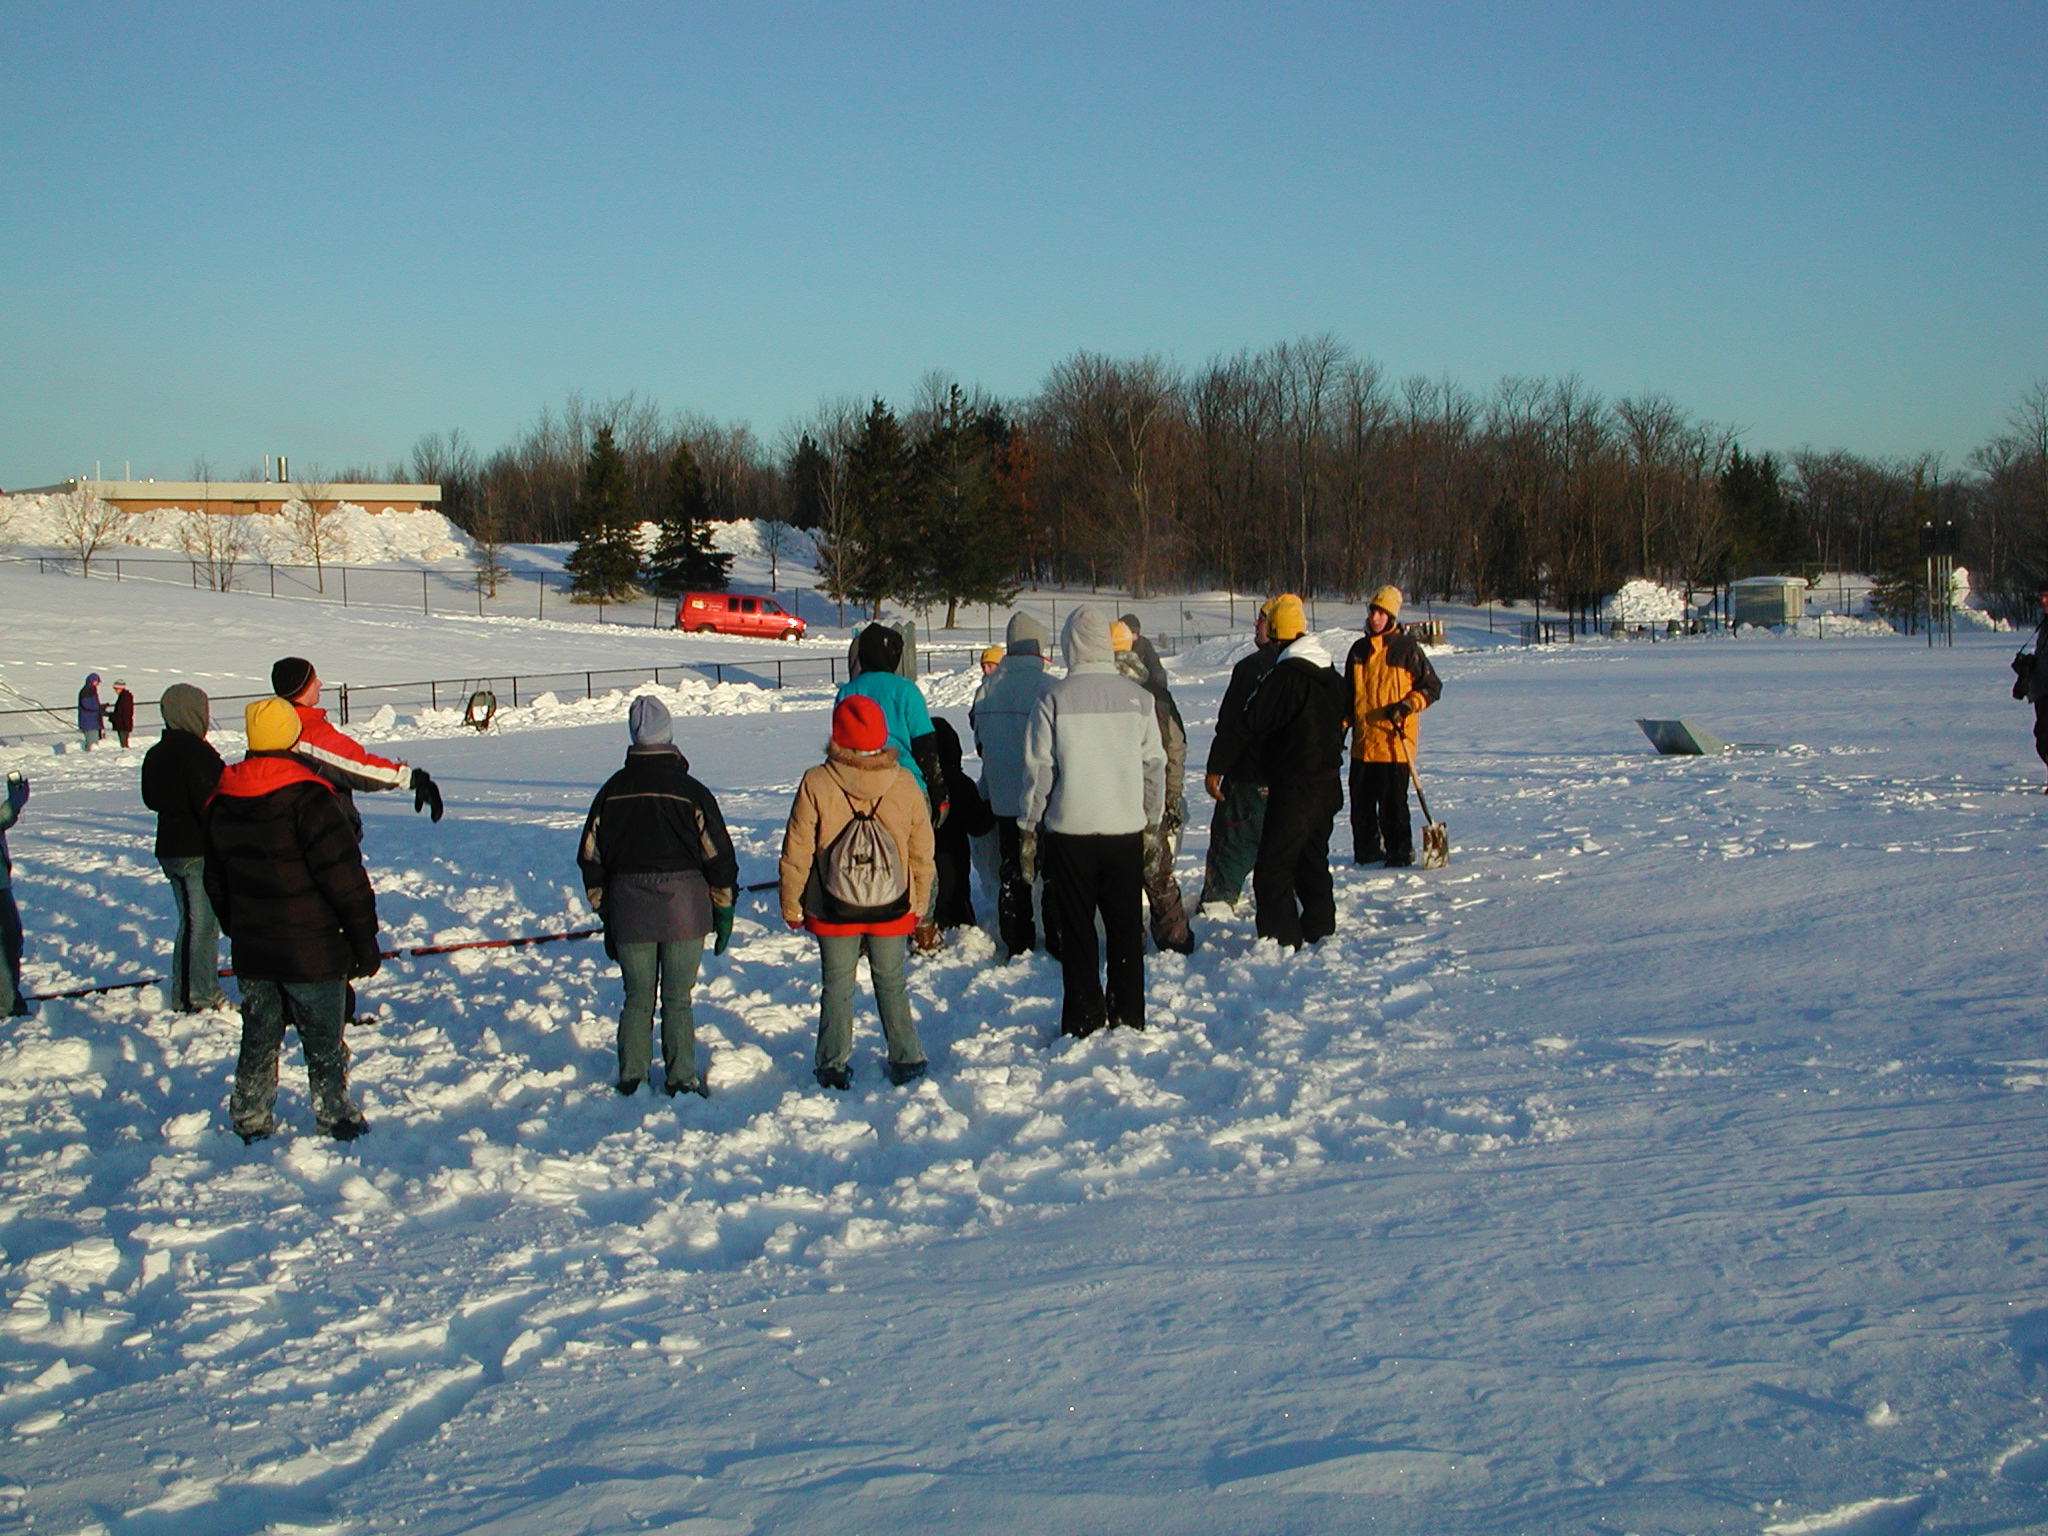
x,y
860,873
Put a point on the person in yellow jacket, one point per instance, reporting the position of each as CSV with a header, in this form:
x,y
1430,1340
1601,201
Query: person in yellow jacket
x,y
1391,682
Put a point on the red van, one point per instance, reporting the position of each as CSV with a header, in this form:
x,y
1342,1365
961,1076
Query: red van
x,y
735,613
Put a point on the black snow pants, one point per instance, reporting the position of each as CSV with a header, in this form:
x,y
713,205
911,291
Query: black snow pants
x,y
1084,876
1379,813
1233,841
1013,891
1291,883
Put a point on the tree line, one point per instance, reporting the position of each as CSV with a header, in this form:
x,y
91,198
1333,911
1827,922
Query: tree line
x,y
1300,465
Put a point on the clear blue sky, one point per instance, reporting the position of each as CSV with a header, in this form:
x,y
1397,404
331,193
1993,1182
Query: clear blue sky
x,y
324,230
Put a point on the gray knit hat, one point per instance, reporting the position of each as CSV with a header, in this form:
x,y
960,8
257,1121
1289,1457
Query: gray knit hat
x,y
649,722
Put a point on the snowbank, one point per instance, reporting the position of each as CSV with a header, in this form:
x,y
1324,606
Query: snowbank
x,y
1645,602
354,535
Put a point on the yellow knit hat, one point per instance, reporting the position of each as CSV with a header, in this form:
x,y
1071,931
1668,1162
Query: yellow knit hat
x,y
1285,618
1388,598
1120,636
273,725
992,656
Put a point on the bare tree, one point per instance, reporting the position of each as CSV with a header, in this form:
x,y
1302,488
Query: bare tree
x,y
487,535
217,543
308,517
87,523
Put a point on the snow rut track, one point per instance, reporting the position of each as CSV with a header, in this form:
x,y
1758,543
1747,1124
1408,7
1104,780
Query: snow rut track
x,y
512,1215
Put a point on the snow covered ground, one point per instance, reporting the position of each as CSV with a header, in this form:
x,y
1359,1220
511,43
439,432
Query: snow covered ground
x,y
1672,1162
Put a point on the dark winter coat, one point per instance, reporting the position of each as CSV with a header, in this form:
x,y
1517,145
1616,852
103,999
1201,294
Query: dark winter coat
x,y
123,720
1230,753
92,714
285,875
179,774
1297,717
969,818
656,847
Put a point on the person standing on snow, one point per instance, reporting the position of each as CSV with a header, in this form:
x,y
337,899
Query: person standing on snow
x,y
1162,891
875,662
286,879
339,759
179,775
859,779
999,718
1296,721
15,1004
92,714
1391,682
2032,683
658,867
1233,776
967,818
123,713
1096,782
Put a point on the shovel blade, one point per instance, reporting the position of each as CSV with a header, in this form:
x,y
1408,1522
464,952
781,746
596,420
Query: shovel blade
x,y
1436,845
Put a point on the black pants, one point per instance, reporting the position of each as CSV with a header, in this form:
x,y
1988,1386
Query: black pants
x,y
1379,812
1291,881
1013,891
1085,876
1233,840
2041,727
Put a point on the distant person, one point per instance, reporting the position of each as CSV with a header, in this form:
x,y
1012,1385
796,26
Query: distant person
x,y
123,714
856,871
286,879
1296,723
92,714
1162,891
1143,649
179,775
1391,682
1233,778
2032,684
658,867
967,818
1000,717
1096,781
339,759
10,915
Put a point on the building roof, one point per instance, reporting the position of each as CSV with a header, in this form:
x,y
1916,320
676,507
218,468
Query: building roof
x,y
239,490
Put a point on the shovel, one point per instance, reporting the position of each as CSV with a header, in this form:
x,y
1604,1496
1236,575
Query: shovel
x,y
1436,837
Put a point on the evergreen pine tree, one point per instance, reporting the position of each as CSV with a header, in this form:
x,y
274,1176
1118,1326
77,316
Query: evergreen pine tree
x,y
684,559
878,553
968,534
1762,519
606,560
806,472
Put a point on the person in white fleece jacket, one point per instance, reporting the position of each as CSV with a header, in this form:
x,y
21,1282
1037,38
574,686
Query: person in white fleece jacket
x,y
1095,772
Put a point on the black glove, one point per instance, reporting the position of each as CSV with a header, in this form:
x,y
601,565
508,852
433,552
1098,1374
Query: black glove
x,y
425,796
1397,713
366,963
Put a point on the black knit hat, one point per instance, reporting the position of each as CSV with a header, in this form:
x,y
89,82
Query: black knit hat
x,y
288,678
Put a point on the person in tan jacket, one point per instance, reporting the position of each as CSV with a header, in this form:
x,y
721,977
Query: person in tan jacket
x,y
859,777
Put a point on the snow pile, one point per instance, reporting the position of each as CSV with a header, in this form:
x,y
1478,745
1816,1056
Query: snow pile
x,y
352,534
1645,602
750,538
1968,607
950,690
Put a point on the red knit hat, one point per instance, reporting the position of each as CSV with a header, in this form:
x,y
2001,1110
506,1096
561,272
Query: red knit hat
x,y
858,725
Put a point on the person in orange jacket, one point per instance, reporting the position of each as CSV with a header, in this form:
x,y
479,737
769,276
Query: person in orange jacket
x,y
339,759
1391,683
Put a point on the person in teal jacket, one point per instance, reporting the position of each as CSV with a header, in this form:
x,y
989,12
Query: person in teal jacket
x,y
877,652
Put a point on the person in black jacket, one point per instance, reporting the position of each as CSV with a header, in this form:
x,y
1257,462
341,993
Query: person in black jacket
x,y
1234,779
1296,721
286,879
659,868
178,776
968,818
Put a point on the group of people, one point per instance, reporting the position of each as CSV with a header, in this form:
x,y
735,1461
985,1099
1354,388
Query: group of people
x,y
1079,806
97,716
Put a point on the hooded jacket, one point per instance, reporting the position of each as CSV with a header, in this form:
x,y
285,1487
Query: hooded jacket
x,y
1230,752
824,804
179,773
1093,759
1173,731
285,875
1384,670
877,652
1297,716
92,714
656,845
1002,711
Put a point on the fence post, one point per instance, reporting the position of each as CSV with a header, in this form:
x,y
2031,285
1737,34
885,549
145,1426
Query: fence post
x,y
543,613
117,571
433,694
586,687
423,594
344,703
344,603
515,692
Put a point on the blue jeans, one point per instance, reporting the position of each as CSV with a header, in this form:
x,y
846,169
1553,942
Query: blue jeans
x,y
195,963
839,954
671,968
314,1009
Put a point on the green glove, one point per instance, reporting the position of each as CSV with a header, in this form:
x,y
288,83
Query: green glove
x,y
721,924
